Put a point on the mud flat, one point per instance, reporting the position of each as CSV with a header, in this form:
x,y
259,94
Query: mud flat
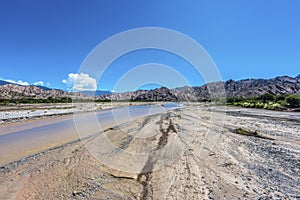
x,y
195,152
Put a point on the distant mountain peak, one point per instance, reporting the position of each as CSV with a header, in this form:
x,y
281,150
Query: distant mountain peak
x,y
4,82
298,77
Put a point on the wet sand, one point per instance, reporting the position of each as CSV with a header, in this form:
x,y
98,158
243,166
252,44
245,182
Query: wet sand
x,y
194,152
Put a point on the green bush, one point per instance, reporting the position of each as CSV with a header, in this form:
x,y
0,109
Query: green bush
x,y
266,97
280,98
246,104
32,101
267,101
283,103
275,106
293,101
259,105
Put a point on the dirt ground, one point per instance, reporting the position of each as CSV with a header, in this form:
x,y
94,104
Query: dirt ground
x,y
194,152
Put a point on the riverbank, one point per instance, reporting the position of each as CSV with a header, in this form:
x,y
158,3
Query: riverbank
x,y
237,165
26,112
30,137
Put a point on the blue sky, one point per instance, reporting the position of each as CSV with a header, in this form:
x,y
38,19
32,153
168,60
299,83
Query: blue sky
x,y
47,40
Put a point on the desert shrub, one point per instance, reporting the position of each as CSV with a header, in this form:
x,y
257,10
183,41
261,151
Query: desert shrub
x,y
259,105
267,101
275,106
233,99
266,97
293,101
280,98
32,101
237,103
283,103
272,106
246,104
230,99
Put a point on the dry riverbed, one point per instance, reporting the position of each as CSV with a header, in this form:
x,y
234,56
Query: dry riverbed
x,y
195,152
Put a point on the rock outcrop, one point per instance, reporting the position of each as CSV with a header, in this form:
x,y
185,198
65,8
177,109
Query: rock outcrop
x,y
159,94
242,88
14,91
245,88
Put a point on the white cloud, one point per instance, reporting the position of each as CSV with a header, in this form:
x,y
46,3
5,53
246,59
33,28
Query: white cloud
x,y
41,83
80,82
20,82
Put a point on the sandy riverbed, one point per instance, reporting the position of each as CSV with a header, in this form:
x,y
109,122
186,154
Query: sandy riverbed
x,y
189,153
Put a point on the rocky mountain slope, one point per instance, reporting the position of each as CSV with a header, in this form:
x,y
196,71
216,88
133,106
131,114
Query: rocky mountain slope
x,y
241,88
159,94
254,87
14,91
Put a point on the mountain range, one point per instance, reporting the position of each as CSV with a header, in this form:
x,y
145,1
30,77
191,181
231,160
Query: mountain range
x,y
242,88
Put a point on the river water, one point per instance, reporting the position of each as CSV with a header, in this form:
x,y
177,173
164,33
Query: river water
x,y
38,137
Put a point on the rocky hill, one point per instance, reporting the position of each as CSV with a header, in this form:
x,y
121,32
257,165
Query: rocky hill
x,y
241,88
255,87
159,94
245,88
14,91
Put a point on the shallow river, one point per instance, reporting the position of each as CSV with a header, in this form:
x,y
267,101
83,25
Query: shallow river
x,y
21,140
